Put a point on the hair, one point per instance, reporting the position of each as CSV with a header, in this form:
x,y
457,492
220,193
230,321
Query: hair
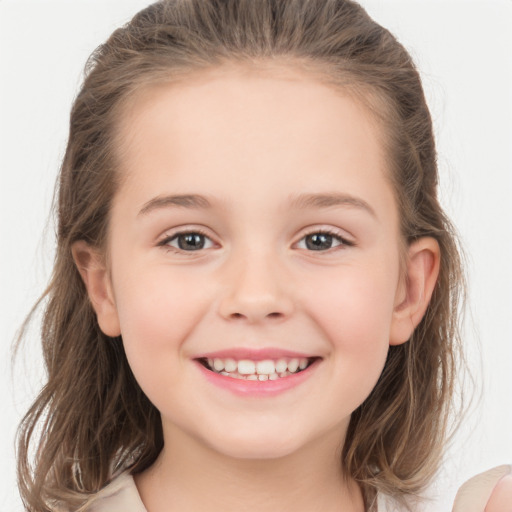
x,y
91,420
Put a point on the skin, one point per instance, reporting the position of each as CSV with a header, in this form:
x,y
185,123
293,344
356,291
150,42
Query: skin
x,y
252,141
501,498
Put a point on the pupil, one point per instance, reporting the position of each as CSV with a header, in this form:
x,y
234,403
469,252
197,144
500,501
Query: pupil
x,y
318,241
191,241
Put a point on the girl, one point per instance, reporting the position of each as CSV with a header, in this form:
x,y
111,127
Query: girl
x,y
254,301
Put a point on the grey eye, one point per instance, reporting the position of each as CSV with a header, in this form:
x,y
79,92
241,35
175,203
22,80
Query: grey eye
x,y
190,241
320,242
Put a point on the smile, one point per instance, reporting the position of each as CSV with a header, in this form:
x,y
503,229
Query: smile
x,y
261,370
258,373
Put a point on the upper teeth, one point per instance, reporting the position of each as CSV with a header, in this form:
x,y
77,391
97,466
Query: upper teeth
x,y
264,367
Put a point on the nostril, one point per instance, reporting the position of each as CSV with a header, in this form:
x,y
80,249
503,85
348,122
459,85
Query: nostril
x,y
274,314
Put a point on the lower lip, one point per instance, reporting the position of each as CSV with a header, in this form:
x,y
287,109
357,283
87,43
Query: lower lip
x,y
258,388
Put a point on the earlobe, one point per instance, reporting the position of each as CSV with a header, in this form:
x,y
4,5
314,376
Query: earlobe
x,y
92,268
423,261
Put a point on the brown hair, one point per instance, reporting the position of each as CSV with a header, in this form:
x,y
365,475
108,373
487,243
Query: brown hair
x,y
91,419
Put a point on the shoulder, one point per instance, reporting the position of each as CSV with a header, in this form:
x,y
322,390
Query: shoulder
x,y
120,495
490,491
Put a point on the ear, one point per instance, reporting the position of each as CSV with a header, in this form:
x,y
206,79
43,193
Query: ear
x,y
91,265
415,291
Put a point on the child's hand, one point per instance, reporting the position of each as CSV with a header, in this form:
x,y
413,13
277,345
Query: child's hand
x,y
490,491
501,497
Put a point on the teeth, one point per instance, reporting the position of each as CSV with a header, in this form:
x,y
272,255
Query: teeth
x,y
266,369
281,366
230,365
246,367
293,365
218,365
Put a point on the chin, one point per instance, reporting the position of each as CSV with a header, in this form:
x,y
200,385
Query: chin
x,y
258,444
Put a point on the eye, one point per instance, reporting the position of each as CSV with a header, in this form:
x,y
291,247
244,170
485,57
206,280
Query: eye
x,y
322,241
188,241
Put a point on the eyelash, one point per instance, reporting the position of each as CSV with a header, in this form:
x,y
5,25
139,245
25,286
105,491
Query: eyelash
x,y
343,242
168,239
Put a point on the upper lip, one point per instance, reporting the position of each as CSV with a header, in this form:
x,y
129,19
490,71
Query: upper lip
x,y
239,353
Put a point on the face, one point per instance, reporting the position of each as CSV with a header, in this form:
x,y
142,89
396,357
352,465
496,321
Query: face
x,y
254,232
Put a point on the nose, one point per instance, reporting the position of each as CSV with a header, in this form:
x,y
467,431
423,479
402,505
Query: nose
x,y
256,289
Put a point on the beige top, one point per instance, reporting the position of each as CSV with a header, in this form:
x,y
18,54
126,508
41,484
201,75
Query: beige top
x,y
121,494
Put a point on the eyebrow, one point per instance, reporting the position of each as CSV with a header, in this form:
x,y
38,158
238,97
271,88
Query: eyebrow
x,y
301,201
183,201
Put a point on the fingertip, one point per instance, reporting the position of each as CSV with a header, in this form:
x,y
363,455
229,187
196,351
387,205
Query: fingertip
x,y
501,497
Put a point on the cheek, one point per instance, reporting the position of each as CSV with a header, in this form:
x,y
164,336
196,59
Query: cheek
x,y
156,315
356,308
355,311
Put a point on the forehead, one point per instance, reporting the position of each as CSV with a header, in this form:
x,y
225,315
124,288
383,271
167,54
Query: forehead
x,y
263,128
289,100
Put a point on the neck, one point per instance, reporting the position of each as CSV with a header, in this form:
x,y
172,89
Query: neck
x,y
188,477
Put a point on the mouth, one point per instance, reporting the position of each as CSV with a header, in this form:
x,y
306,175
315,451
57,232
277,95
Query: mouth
x,y
260,370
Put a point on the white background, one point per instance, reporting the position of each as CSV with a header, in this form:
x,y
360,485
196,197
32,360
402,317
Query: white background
x,y
464,51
